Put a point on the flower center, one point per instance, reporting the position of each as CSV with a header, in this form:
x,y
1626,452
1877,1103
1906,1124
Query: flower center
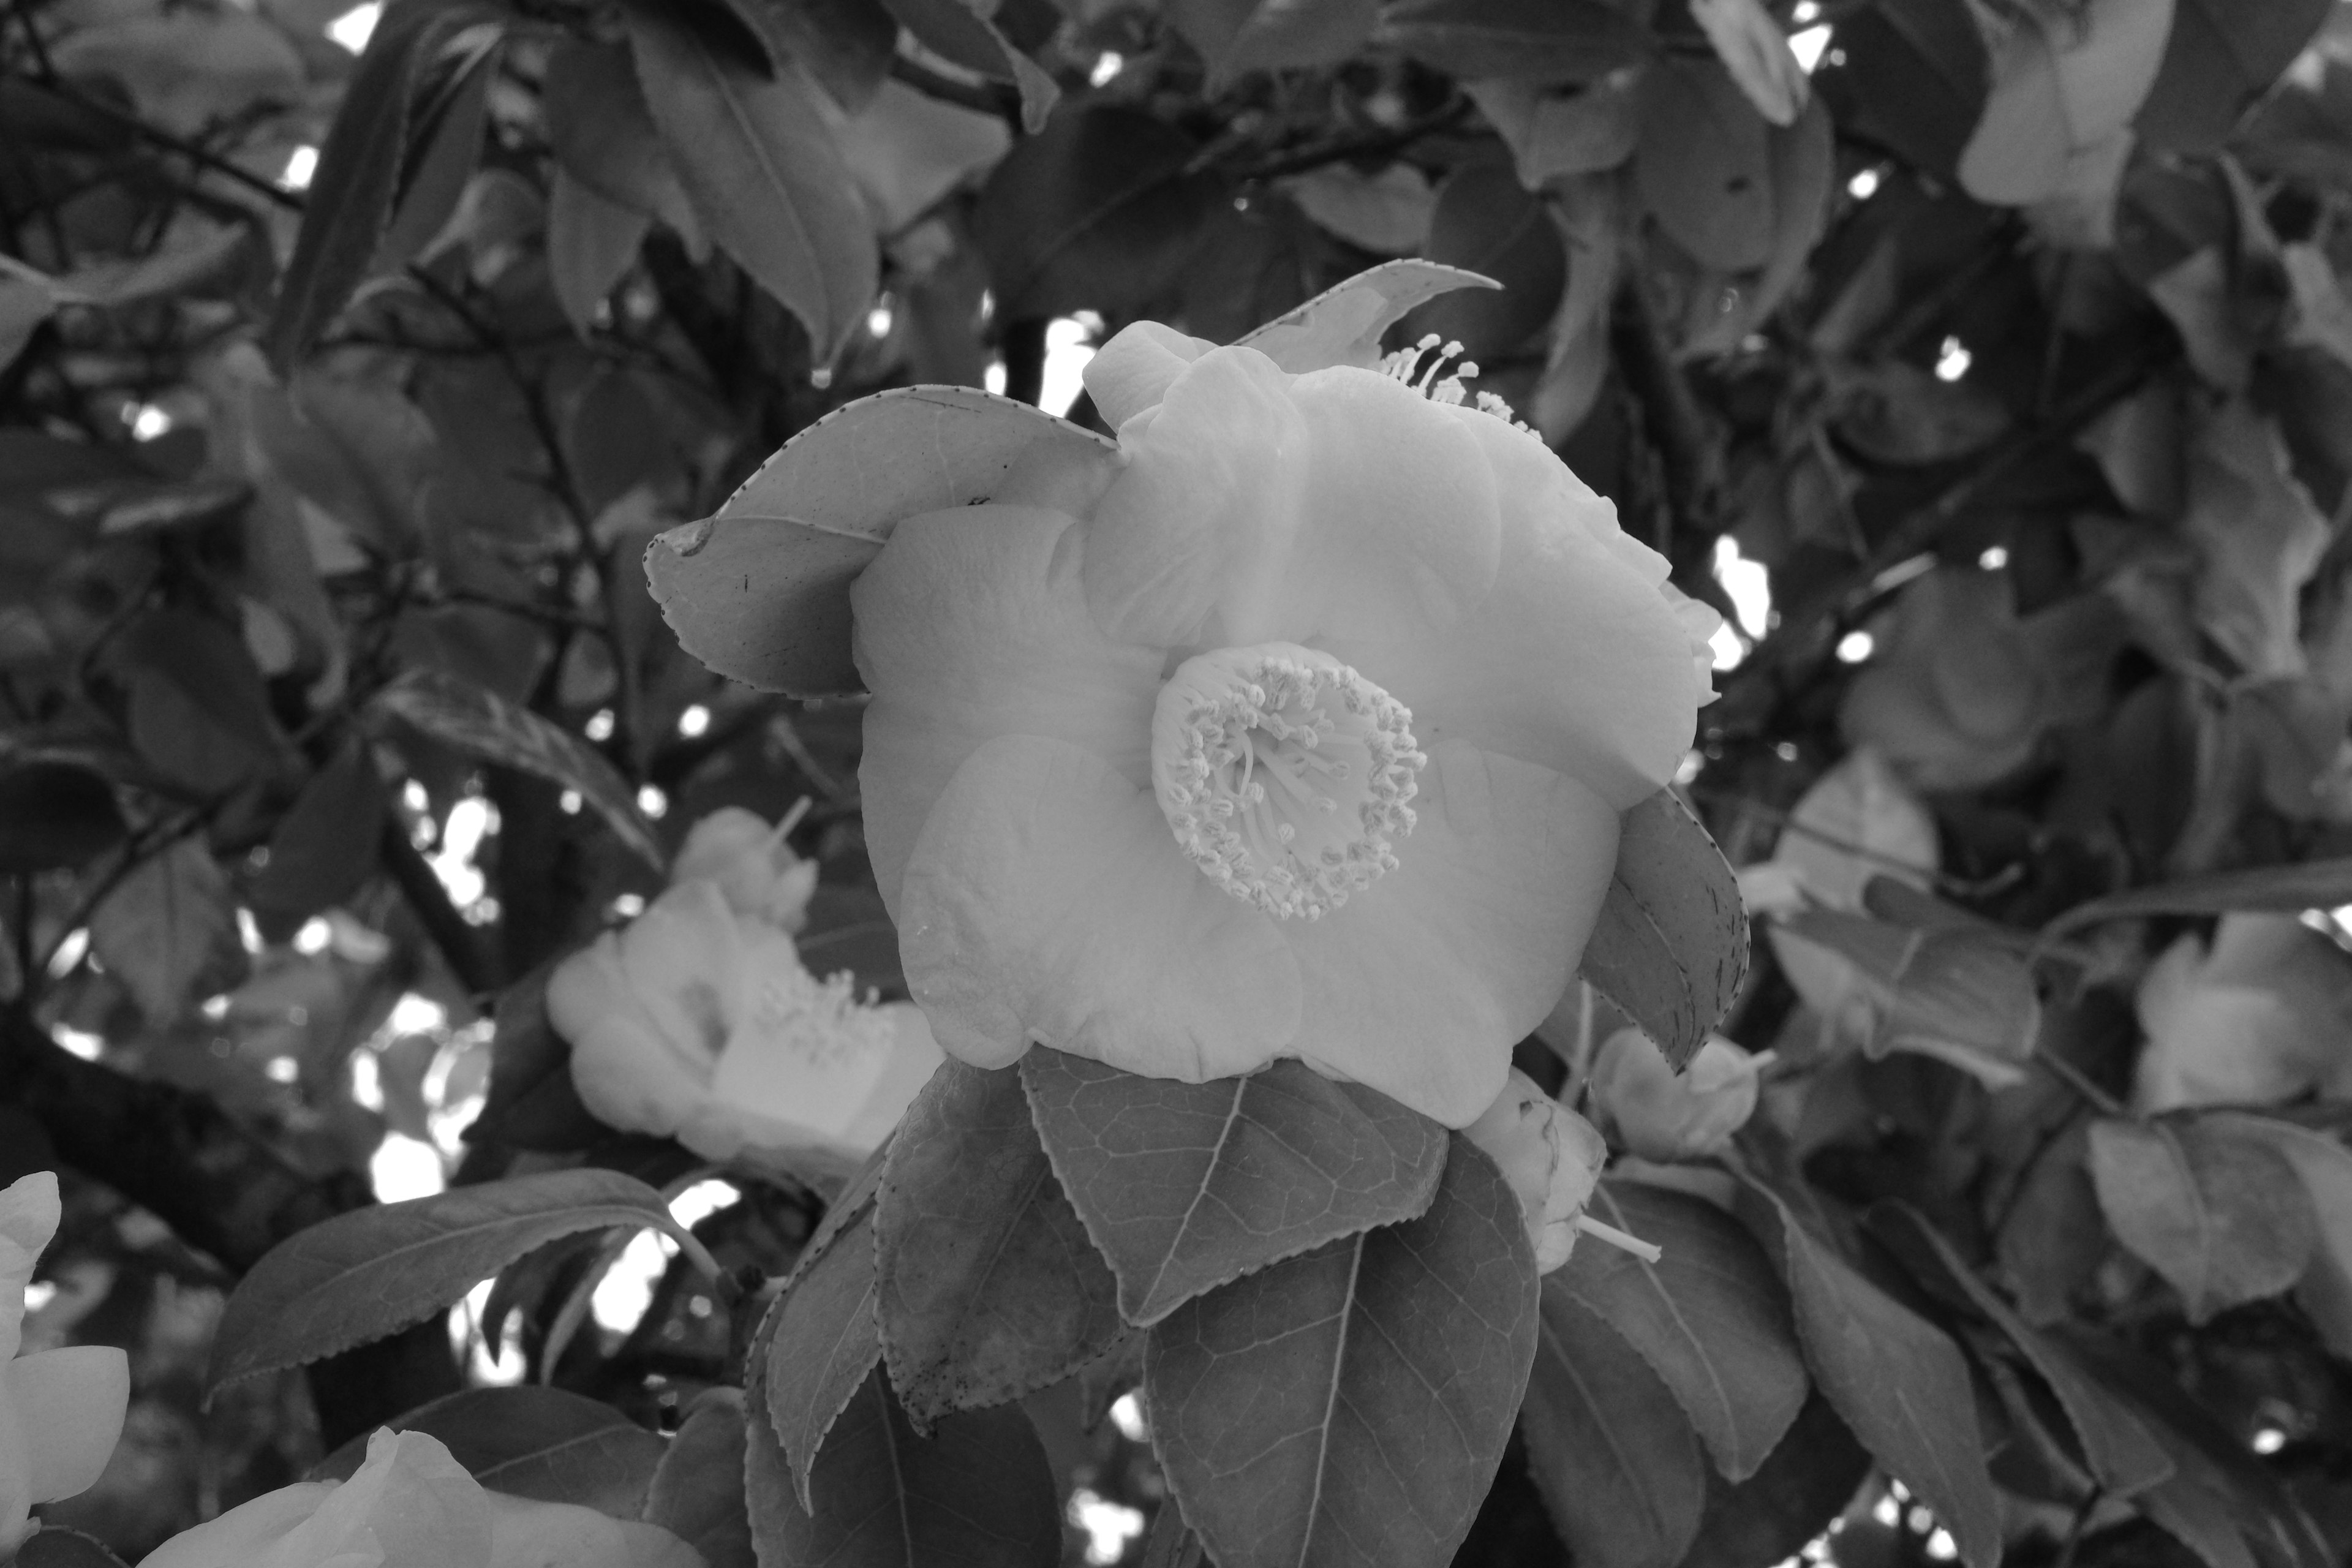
x,y
1286,776
1429,369
820,1022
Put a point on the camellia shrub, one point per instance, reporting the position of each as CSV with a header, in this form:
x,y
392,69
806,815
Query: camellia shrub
x,y
873,784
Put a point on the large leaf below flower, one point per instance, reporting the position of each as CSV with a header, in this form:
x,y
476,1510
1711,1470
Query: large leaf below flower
x,y
988,1286
1708,1316
1349,1406
697,1493
1896,1379
821,1340
760,590
1671,945
373,1272
1186,1186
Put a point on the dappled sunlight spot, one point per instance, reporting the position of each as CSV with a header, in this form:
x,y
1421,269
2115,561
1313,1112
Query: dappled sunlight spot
x,y
599,727
80,1042
1952,360
469,822
694,722
1127,1414
652,802
1747,585
702,1200
1855,646
415,1015
403,1167
355,26
1069,347
1995,557
2269,1440
300,165
1108,64
147,422
1809,47
495,1366
314,938
628,906
367,1081
1865,184
626,1290
1109,1526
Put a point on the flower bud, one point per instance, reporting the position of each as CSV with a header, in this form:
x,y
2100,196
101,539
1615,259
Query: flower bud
x,y
749,863
61,1410
1651,1110
1551,1156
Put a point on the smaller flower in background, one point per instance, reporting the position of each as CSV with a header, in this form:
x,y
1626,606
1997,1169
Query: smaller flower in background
x,y
2260,1015
412,1505
1650,1110
61,1410
751,865
1552,1158
699,1021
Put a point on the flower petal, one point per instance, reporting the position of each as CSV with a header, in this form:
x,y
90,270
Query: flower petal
x,y
1190,542
245,1534
71,1402
1421,984
1574,661
410,1501
971,624
1134,371
915,1056
1046,901
528,1533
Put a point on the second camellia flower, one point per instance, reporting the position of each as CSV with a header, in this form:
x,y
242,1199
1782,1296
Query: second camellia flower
x,y
1306,734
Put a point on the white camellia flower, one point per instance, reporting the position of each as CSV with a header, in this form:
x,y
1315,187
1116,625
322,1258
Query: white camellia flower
x,y
1303,730
1552,1157
412,1505
2261,1015
698,1022
1650,1110
751,864
61,1410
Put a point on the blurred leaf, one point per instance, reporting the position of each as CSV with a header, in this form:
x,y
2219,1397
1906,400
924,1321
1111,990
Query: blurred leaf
x,y
544,1443
24,304
1095,213
1709,1317
54,1546
55,815
591,245
2222,1216
845,44
362,451
1893,1377
603,136
1704,165
2220,57
1360,1392
1670,947
475,719
1486,225
2140,447
532,1102
697,1493
764,175
1770,1517
988,1288
1607,1445
169,930
1552,133
2122,1457
358,176
2194,293
2314,884
2262,537
325,847
2058,90
1893,412
821,1340
363,1275
1187,1186
961,31
760,592
1963,994
2322,314
445,150
979,1492
197,707
1387,214
1527,40
1239,36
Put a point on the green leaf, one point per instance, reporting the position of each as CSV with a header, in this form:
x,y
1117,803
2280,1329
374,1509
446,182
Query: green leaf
x,y
602,135
1769,1517
962,32
1709,1317
1527,40
1609,1448
1919,74
54,1546
2222,1216
373,1272
1185,1186
1961,994
1704,166
531,1103
1487,224
846,45
198,710
978,1493
988,1287
2324,1166
821,1340
55,815
2306,885
1895,412
475,719
2220,57
760,591
1360,1392
359,449
169,930
2121,1453
1095,213
2261,535
1670,948
2058,92
764,174
1239,36
1343,324
358,177
1893,1377
530,1442
324,849
591,244
697,1493
446,148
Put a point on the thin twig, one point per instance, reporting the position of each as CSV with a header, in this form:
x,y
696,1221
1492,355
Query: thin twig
x,y
2070,1075
1387,141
